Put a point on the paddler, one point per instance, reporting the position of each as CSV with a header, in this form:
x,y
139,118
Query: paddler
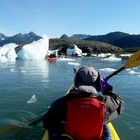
x,y
81,114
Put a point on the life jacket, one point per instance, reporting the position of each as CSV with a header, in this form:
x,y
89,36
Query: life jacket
x,y
85,118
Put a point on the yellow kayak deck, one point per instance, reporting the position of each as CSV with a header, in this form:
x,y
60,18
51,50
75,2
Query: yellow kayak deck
x,y
113,133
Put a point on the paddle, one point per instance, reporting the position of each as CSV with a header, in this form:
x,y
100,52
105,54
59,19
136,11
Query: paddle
x,y
17,127
132,62
11,128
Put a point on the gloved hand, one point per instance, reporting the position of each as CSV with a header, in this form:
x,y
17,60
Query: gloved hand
x,y
105,87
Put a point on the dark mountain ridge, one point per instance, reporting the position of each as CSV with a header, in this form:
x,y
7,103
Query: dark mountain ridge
x,y
120,39
86,46
75,36
20,39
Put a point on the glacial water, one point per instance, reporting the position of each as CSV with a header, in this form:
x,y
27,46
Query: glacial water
x,y
27,88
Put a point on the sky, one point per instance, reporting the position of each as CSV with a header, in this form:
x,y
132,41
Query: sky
x,y
57,17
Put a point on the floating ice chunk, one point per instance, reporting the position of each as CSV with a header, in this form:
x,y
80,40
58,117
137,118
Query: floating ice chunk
x,y
102,55
112,58
65,59
128,69
133,72
23,71
72,63
12,70
32,99
135,68
125,55
107,70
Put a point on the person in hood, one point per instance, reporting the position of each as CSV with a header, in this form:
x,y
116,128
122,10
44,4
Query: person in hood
x,y
85,109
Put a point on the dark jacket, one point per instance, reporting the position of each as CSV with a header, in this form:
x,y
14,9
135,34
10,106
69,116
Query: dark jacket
x,y
55,118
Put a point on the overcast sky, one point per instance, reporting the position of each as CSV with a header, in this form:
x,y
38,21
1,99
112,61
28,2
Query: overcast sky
x,y
57,17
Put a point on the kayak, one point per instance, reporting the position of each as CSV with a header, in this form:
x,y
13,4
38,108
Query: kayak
x,y
109,129
51,59
112,133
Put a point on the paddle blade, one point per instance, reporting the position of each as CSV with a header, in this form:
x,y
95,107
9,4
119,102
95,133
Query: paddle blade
x,y
133,61
10,129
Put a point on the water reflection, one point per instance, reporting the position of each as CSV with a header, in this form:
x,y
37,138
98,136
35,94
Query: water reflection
x,y
34,68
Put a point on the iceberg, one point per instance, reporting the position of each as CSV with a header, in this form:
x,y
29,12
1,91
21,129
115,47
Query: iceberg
x,y
35,51
74,52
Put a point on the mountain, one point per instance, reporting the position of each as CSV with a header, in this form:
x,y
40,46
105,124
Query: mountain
x,y
20,39
86,46
79,36
119,39
75,37
108,38
64,37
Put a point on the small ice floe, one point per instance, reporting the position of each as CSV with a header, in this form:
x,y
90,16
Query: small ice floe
x,y
133,72
107,70
72,63
102,55
65,59
85,54
128,69
23,71
135,68
32,100
125,55
12,70
111,58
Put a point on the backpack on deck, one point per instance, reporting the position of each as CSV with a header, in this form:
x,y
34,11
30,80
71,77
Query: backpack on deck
x,y
85,118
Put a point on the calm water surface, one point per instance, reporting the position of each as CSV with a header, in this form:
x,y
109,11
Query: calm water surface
x,y
47,81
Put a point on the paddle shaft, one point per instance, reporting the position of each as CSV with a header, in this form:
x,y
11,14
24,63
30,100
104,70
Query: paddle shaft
x,y
114,73
38,120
